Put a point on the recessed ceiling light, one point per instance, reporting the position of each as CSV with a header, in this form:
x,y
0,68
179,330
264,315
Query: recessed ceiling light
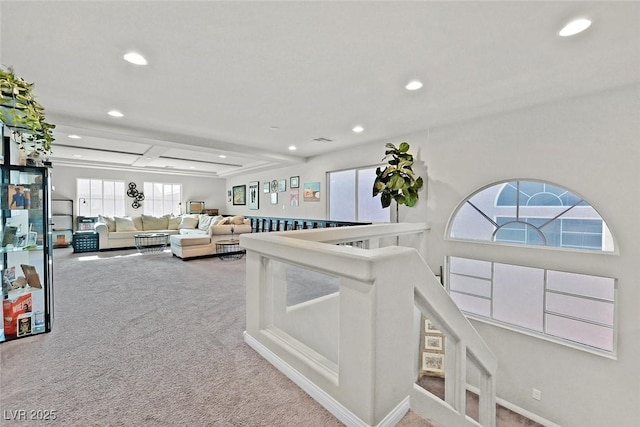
x,y
135,58
77,155
292,147
357,129
413,85
222,156
192,167
115,113
274,127
74,136
574,27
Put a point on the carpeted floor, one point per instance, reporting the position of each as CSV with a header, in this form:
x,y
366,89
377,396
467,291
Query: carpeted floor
x,y
150,340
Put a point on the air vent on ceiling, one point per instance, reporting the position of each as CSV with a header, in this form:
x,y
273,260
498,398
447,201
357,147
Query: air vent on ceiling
x,y
321,139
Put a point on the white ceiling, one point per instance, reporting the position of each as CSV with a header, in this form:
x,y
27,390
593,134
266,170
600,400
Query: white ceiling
x,y
222,74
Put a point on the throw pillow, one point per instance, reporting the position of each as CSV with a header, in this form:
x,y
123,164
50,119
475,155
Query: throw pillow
x,y
204,222
137,222
188,221
217,220
174,222
154,223
237,220
109,221
125,224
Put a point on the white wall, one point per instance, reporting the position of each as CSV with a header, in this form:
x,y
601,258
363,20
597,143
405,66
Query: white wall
x,y
314,170
209,190
589,145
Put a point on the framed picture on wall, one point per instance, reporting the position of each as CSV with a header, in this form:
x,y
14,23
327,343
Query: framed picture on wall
x,y
311,192
294,182
282,185
274,198
254,197
294,197
266,186
240,195
433,342
433,362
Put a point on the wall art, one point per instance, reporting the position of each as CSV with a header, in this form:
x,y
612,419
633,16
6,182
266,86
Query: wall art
x,y
137,196
240,195
254,196
294,197
311,192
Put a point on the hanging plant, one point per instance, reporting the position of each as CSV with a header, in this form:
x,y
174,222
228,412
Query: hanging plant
x,y
23,114
397,181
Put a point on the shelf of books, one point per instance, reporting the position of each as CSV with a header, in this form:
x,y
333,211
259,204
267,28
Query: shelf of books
x,y
25,252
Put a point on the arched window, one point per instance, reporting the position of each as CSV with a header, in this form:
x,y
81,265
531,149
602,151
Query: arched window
x,y
531,213
563,306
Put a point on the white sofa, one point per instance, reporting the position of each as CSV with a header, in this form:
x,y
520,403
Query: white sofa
x,y
119,232
190,244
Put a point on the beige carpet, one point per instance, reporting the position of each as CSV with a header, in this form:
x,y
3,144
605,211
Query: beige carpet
x,y
150,340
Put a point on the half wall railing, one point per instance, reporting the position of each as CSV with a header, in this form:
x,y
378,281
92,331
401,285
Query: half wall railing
x,y
261,224
335,310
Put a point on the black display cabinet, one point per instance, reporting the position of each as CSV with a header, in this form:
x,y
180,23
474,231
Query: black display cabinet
x,y
25,248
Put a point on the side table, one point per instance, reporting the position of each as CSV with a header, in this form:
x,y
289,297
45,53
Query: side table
x,y
151,242
229,249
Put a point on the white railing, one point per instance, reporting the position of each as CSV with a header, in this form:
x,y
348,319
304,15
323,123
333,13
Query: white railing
x,y
354,350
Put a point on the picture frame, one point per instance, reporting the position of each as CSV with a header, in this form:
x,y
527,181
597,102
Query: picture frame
x,y
433,362
430,327
274,198
17,197
195,207
254,196
266,186
294,182
294,198
239,194
274,186
433,342
311,192
282,186
9,235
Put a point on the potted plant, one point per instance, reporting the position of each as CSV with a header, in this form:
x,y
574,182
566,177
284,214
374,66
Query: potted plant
x,y
23,115
397,181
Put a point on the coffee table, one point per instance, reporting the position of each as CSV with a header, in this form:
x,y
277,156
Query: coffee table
x,y
229,249
151,242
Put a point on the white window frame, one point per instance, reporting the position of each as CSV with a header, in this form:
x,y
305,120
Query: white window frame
x,y
489,319
547,258
358,216
94,203
159,195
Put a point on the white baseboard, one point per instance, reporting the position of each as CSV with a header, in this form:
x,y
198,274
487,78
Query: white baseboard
x,y
322,397
518,410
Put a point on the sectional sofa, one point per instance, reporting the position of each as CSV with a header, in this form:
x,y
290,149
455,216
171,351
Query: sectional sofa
x,y
200,231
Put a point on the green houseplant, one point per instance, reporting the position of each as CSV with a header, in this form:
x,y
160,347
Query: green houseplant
x,y
24,115
397,181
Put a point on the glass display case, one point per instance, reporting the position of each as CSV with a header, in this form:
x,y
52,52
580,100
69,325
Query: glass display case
x,y
25,251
